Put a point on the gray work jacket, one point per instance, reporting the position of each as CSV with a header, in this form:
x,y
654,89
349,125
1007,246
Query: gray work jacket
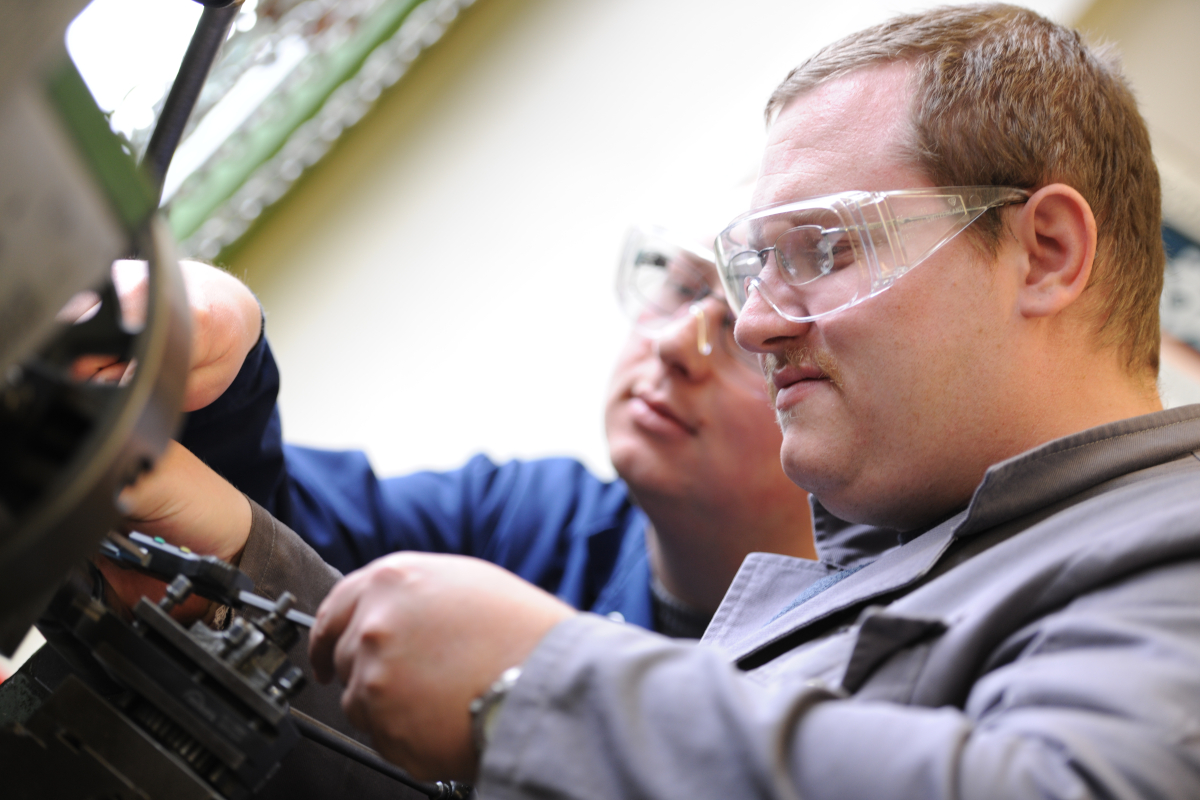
x,y
1042,643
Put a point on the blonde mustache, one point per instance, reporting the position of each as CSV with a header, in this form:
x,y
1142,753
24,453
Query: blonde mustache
x,y
798,357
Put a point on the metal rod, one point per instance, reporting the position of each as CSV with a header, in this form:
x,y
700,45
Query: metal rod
x,y
343,744
210,34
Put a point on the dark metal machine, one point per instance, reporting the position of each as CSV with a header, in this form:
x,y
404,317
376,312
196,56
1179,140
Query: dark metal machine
x,y
121,704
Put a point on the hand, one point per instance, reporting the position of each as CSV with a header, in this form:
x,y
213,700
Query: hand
x,y
414,638
226,324
189,505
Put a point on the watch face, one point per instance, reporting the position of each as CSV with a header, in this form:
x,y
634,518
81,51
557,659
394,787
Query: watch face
x,y
490,715
485,709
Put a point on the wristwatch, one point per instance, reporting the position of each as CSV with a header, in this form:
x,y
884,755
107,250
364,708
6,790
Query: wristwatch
x,y
486,708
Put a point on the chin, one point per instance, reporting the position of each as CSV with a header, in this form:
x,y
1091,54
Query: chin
x,y
626,449
646,471
622,456
812,465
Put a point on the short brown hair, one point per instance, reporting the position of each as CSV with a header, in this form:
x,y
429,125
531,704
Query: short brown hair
x,y
1004,97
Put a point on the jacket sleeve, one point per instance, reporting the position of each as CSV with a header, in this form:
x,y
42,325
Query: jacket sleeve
x,y
534,518
351,516
277,560
1097,699
239,435
333,498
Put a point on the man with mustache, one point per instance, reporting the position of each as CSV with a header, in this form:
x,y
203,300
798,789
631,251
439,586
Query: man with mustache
x,y
953,269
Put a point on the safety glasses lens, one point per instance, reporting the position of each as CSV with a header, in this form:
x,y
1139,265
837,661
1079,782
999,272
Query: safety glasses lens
x,y
661,282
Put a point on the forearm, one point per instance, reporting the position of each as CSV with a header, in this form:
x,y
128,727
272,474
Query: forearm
x,y
278,560
655,718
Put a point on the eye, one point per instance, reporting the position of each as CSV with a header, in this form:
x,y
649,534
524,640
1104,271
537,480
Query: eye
x,y
645,259
684,283
837,250
804,253
746,264
682,292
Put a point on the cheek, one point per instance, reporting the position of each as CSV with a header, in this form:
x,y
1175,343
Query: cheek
x,y
882,348
631,362
637,352
910,361
632,354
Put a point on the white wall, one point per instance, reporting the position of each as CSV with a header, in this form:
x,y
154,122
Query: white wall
x,y
443,284
1159,41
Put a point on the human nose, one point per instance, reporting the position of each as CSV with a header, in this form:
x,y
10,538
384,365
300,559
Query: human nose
x,y
686,345
760,328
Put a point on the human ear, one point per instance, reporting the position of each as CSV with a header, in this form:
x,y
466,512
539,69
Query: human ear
x,y
1056,232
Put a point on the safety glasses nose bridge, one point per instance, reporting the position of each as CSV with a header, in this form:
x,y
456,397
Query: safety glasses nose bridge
x,y
698,316
664,284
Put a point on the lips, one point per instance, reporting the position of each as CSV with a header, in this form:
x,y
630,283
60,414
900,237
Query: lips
x,y
791,383
656,414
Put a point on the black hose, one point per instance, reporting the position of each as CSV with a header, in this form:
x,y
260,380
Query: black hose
x,y
343,744
210,34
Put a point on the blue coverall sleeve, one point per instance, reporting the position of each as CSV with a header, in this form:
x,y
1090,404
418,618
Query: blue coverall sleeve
x,y
532,518
333,499
350,516
549,520
239,434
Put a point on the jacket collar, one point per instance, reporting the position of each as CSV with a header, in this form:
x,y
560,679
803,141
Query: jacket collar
x,y
1011,490
1073,464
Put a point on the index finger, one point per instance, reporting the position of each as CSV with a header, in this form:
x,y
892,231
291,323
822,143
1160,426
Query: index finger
x,y
333,616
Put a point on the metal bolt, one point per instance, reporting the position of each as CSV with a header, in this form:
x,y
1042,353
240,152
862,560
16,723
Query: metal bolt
x,y
291,681
179,590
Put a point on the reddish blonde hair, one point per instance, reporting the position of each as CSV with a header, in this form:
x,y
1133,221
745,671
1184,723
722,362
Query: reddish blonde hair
x,y
1004,97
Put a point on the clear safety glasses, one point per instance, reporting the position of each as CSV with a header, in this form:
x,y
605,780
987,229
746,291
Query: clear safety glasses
x,y
663,283
811,258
